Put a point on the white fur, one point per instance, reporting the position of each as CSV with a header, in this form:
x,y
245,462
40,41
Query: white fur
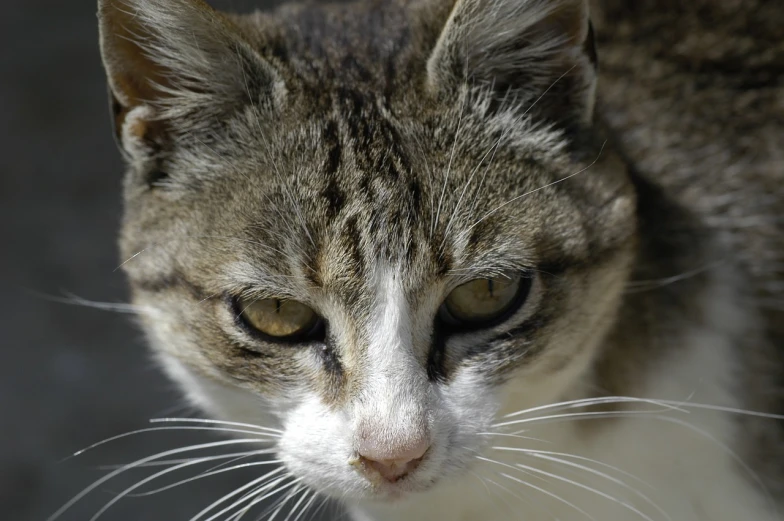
x,y
686,464
682,466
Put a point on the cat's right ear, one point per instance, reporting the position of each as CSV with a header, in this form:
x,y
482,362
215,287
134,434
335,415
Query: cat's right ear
x,y
174,64
537,53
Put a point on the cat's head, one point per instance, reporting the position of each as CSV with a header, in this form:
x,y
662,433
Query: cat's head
x,y
375,227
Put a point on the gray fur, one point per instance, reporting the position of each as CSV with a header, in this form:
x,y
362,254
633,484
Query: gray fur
x,y
293,153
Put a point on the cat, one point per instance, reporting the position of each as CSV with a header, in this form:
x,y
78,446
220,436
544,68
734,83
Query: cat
x,y
453,260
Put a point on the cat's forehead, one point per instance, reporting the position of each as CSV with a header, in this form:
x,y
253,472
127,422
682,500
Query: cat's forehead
x,y
357,184
366,200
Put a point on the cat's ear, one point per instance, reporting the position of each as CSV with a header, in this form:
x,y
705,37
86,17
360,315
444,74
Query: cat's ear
x,y
170,60
522,50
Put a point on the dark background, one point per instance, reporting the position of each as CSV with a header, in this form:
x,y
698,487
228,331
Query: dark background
x,y
70,375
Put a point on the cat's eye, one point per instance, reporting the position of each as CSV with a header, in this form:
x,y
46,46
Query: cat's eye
x,y
484,302
280,319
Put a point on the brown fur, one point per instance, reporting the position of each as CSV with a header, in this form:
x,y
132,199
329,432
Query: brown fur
x,y
337,132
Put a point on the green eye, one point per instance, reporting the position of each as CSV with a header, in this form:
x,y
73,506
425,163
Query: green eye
x,y
278,318
482,302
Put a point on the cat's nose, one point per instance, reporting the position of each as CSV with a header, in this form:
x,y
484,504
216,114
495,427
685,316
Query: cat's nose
x,y
391,462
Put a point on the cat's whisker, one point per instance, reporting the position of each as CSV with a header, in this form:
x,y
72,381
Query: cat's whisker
x,y
142,461
647,415
163,463
269,430
258,482
580,458
322,503
272,487
576,416
278,505
244,240
141,483
300,505
481,480
129,259
529,469
449,165
116,307
272,511
173,428
525,499
547,493
588,402
314,496
734,455
209,297
533,475
637,286
255,500
468,183
658,417
516,198
548,89
672,405
490,493
518,120
203,475
518,436
242,457
553,457
295,206
572,482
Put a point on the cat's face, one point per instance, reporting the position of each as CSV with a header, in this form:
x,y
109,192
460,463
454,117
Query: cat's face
x,y
377,275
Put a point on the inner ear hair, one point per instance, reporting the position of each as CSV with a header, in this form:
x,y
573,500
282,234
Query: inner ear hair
x,y
172,60
531,48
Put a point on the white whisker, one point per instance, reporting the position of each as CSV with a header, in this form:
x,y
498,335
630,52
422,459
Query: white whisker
x,y
525,499
315,513
257,500
513,199
307,506
671,405
586,487
449,165
551,456
753,475
207,420
163,463
587,402
157,429
141,483
485,481
548,493
251,496
297,505
518,436
580,458
115,307
206,475
574,416
142,461
235,492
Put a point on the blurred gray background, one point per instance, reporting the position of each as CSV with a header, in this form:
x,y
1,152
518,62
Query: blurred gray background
x,y
69,375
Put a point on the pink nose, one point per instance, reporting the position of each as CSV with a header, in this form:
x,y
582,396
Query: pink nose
x,y
390,463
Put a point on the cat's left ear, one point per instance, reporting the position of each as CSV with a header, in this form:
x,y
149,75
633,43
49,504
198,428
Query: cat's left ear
x,y
531,51
175,64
